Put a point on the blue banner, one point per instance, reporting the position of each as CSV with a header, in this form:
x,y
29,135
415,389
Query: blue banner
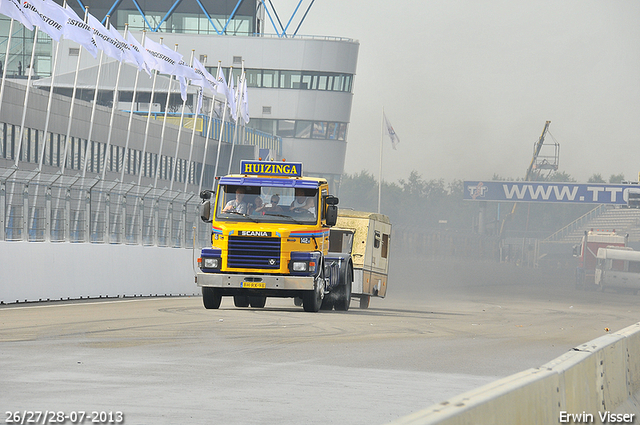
x,y
267,168
590,193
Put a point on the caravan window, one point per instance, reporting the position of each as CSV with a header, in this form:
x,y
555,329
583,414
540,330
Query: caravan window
x,y
634,266
385,245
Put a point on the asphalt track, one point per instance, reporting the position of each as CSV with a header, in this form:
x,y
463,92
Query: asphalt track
x,y
445,327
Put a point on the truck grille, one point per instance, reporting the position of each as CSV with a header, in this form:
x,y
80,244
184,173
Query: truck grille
x,y
253,253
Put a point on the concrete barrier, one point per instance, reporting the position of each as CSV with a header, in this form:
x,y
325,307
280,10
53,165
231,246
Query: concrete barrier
x,y
33,271
596,382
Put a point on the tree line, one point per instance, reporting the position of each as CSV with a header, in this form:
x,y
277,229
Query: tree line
x,y
435,205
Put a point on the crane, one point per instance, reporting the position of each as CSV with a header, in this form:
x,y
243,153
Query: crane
x,y
538,163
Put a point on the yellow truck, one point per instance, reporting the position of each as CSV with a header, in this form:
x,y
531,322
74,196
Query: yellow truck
x,y
366,237
270,238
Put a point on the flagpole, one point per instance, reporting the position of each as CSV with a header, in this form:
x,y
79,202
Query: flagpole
x,y
224,114
133,106
164,124
193,132
206,142
103,164
237,131
26,96
73,98
380,172
6,63
184,105
49,102
113,110
93,111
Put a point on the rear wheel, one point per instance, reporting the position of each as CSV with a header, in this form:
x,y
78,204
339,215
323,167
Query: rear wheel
x,y
211,298
297,301
364,301
344,292
240,301
257,302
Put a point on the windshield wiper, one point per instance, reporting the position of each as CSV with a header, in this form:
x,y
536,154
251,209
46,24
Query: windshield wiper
x,y
285,216
242,214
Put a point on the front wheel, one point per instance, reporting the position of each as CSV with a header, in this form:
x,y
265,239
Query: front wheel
x,y
312,300
211,298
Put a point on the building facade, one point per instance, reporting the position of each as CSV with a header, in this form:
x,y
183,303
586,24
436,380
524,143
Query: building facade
x,y
300,87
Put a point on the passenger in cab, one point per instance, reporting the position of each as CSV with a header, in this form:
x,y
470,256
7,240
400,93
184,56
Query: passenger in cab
x,y
302,202
257,207
273,206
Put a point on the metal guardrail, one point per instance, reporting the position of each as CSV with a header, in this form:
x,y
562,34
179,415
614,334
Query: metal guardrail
x,y
576,224
39,207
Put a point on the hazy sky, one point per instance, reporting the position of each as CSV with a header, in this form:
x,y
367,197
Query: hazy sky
x,y
468,84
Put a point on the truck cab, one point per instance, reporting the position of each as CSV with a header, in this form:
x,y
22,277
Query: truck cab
x,y
270,238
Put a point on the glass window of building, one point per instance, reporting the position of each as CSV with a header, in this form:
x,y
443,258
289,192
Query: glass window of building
x,y
286,128
303,129
319,130
270,78
322,82
254,77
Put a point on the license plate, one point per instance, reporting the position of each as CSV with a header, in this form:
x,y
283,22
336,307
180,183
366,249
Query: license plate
x,y
258,285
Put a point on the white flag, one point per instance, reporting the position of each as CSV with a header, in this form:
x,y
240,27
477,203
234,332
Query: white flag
x,y
13,9
391,132
123,45
165,59
139,54
232,101
184,71
199,106
223,88
206,79
103,39
75,29
244,106
46,15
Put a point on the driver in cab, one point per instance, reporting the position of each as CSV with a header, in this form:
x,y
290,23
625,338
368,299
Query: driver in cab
x,y
237,205
303,202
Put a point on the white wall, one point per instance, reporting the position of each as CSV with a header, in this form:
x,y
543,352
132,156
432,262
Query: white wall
x,y
32,271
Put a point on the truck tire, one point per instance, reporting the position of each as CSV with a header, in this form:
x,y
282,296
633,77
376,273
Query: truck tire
x,y
240,301
312,300
257,302
344,290
327,303
364,301
211,298
297,301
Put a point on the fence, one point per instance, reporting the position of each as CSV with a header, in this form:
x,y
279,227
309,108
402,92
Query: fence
x,y
39,207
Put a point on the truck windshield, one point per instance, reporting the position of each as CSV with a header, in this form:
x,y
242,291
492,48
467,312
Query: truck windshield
x,y
267,204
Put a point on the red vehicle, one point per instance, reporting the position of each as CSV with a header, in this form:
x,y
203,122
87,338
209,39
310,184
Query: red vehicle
x,y
587,254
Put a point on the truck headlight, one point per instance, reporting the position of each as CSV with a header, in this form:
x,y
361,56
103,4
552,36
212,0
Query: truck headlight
x,y
299,266
211,263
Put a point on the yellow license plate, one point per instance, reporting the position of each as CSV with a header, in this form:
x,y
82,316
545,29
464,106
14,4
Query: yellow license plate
x,y
253,285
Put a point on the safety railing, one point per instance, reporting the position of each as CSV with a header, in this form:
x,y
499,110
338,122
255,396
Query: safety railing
x,y
39,207
576,224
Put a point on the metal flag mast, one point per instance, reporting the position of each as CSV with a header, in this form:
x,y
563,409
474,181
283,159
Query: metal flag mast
x,y
67,139
224,114
174,175
206,140
380,170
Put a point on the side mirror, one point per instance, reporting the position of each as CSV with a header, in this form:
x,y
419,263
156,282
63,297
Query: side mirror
x,y
332,215
332,200
205,211
206,194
